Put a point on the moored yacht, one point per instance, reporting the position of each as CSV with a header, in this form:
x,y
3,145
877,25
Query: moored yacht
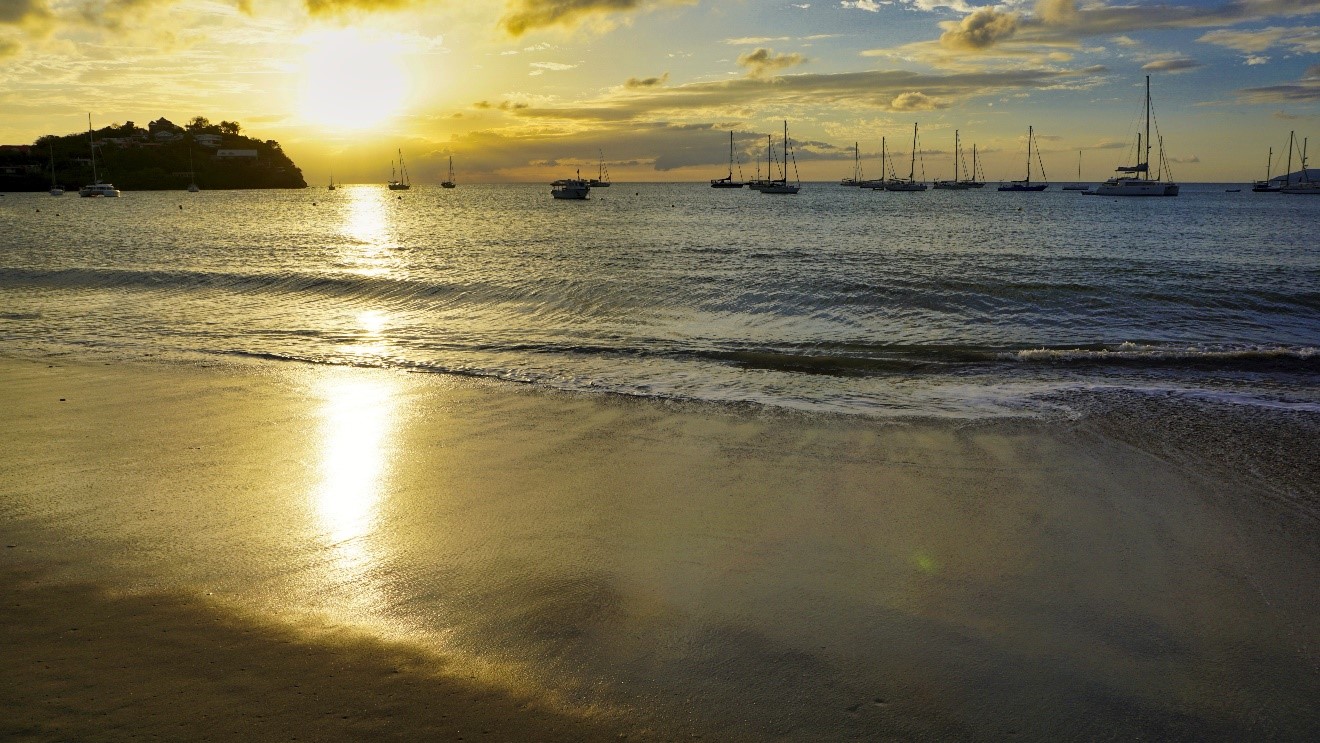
x,y
571,188
96,188
1135,179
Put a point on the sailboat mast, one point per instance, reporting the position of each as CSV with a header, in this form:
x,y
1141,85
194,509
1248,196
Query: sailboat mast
x,y
1029,136
91,144
912,169
786,152
1287,179
884,174
1268,162
974,161
730,154
955,154
1148,126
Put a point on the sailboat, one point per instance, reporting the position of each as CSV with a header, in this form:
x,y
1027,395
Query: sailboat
x,y
1027,185
449,182
1305,186
910,183
96,188
402,183
886,168
1266,186
55,189
1078,186
602,179
332,185
1135,179
782,185
856,179
955,184
978,177
192,175
728,181
763,183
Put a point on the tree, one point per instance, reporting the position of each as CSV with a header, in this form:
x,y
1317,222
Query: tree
x,y
199,124
230,127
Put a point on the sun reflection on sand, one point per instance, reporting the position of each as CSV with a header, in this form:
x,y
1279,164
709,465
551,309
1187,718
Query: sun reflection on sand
x,y
357,426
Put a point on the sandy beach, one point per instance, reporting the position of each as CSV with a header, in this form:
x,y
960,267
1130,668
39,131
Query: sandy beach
x,y
284,551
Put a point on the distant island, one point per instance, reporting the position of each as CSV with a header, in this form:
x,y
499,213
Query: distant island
x,y
156,158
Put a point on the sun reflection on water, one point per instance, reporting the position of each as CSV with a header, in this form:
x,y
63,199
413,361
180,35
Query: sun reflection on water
x,y
367,228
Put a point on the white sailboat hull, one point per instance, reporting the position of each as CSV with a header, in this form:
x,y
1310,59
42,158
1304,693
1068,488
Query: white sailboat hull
x,y
1136,187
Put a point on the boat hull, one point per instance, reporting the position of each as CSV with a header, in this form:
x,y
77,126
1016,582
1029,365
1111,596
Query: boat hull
x,y
1024,187
399,187
780,188
1136,188
725,184
951,186
101,190
905,187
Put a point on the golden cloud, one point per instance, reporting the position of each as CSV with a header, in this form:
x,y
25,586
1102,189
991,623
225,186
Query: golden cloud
x,y
762,61
529,15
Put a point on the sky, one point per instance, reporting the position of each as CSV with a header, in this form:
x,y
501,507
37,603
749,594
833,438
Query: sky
x,y
532,90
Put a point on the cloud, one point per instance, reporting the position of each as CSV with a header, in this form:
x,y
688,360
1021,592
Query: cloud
x,y
1185,160
23,12
1305,90
1178,64
646,82
884,90
762,61
915,101
1256,60
339,7
1298,39
870,5
980,30
529,15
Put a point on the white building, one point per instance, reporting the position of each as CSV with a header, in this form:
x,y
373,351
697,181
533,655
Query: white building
x,y
235,154
208,140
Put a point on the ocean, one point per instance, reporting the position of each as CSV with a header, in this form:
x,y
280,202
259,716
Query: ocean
x,y
959,304
846,465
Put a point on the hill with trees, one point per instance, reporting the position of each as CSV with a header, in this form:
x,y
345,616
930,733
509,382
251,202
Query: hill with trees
x,y
164,156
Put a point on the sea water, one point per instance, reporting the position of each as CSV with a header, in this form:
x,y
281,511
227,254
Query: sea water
x,y
793,555
942,303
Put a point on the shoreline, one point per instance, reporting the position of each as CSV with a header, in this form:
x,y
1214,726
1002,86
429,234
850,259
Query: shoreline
x,y
661,569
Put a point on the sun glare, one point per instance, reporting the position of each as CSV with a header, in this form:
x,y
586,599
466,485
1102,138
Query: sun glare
x,y
352,80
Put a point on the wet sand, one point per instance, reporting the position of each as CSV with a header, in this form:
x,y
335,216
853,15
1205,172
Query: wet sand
x,y
279,551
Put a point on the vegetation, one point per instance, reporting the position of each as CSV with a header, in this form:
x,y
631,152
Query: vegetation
x,y
155,158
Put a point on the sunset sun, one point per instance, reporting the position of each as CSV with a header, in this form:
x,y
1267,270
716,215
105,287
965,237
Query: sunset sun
x,y
351,80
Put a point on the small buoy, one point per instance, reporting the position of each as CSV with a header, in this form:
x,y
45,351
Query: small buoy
x,y
180,206
313,203
38,211
61,399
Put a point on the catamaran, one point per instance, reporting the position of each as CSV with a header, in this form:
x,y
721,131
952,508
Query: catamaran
x,y
1135,179
728,181
96,187
1027,185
